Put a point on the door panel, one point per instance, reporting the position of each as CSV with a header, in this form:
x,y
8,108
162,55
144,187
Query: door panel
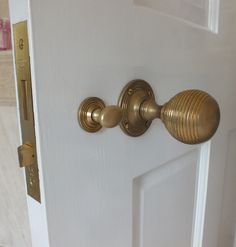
x,y
173,211
108,189
201,13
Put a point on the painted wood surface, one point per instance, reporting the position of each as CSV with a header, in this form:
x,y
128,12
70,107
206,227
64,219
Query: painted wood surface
x,y
108,189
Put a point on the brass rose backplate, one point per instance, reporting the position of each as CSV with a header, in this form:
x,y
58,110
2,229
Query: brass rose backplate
x,y
130,101
192,116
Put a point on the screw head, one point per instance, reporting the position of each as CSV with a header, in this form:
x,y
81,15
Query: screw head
x,y
130,91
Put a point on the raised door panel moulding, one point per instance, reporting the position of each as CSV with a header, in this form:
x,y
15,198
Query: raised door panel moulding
x,y
7,86
172,195
164,201
201,13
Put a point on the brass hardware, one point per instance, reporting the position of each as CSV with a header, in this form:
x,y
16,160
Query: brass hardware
x,y
25,98
27,152
93,115
131,98
191,116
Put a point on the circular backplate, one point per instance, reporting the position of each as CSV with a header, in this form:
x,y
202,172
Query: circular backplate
x,y
85,114
130,100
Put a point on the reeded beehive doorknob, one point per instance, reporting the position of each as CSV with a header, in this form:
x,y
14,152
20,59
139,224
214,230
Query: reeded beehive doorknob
x,y
191,116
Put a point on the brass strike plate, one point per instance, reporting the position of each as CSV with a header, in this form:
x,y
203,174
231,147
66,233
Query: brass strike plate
x,y
22,62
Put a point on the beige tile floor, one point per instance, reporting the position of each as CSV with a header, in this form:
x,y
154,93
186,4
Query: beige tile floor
x,y
7,87
14,224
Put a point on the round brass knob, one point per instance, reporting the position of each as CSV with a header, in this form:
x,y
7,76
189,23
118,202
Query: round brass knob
x,y
191,116
93,115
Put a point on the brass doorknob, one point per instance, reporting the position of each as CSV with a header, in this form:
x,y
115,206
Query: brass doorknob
x,y
191,116
93,115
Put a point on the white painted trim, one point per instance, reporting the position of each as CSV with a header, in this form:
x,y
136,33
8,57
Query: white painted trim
x,y
201,194
41,238
213,15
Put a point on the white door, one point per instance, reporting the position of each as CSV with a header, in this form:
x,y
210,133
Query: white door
x,y
108,189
